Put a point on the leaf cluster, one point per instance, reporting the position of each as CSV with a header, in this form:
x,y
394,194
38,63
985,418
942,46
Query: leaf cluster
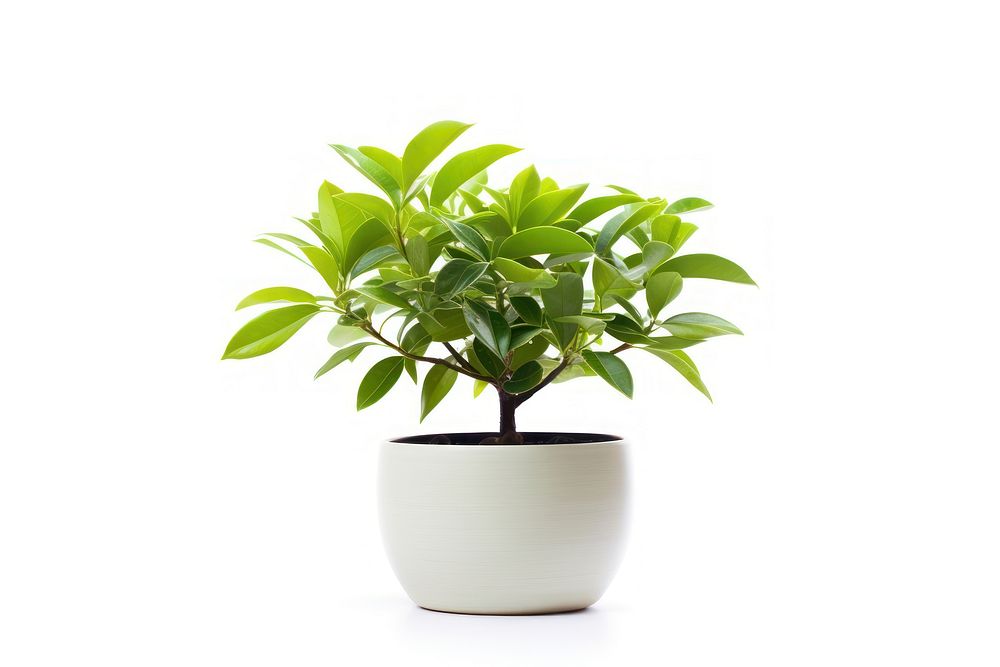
x,y
515,286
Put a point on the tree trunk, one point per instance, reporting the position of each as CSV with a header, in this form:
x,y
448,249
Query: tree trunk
x,y
508,426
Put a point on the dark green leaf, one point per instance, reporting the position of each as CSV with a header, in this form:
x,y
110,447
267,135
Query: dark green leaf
x,y
612,369
524,378
528,309
489,326
470,238
661,289
566,298
437,383
457,275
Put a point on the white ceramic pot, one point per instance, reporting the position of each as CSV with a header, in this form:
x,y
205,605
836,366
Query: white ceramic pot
x,y
504,529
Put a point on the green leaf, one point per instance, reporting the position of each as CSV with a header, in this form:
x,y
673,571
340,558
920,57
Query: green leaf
x,y
661,289
653,254
522,275
489,326
372,207
427,145
699,325
609,280
370,235
529,351
341,335
437,383
375,258
683,364
340,356
328,219
706,266
268,331
524,378
274,294
384,295
470,238
528,309
671,342
457,275
687,205
592,325
612,369
669,229
463,167
445,324
523,189
627,330
566,298
543,241
549,207
478,386
621,224
271,244
379,380
391,163
371,170
485,360
598,206
418,255
522,333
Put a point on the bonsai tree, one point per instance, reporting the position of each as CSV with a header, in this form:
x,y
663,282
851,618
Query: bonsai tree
x,y
517,287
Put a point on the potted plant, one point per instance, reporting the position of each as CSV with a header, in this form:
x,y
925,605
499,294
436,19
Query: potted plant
x,y
517,288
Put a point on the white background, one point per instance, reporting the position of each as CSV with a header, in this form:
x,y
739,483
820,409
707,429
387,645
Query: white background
x,y
838,504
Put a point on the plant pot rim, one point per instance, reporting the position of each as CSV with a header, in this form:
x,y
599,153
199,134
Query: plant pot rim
x,y
532,439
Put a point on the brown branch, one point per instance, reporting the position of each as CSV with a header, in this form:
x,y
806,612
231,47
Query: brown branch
x,y
429,360
521,398
621,348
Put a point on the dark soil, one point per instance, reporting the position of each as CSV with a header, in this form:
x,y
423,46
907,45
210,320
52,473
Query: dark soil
x,y
485,438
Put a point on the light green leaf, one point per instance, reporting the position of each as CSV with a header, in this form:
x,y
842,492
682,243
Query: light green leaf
x,y
683,364
653,254
478,386
379,380
271,244
609,280
549,207
543,241
566,298
522,275
523,189
418,255
621,224
699,325
374,207
489,326
464,166
391,163
268,331
445,324
598,206
340,356
706,266
661,289
524,378
370,235
328,219
384,295
427,145
341,335
371,170
687,205
592,325
612,369
437,383
274,294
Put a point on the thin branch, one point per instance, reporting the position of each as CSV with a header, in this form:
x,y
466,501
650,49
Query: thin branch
x,y
621,348
459,358
521,398
416,357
